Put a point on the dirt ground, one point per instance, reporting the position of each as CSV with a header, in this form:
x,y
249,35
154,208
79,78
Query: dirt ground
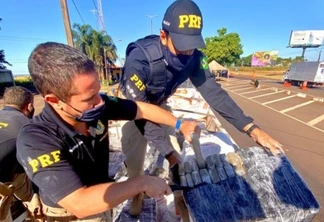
x,y
276,75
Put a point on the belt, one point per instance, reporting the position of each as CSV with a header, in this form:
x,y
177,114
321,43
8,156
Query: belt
x,y
55,214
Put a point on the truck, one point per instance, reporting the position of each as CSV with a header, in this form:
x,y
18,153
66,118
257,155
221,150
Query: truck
x,y
301,72
6,79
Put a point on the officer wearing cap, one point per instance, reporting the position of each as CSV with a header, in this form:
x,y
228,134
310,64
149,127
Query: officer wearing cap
x,y
156,65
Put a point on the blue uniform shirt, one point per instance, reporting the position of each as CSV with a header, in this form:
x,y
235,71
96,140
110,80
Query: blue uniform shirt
x,y
137,77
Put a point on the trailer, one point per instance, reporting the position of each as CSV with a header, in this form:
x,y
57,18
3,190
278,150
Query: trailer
x,y
310,73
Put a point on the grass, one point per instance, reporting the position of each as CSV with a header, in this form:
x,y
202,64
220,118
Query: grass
x,y
274,73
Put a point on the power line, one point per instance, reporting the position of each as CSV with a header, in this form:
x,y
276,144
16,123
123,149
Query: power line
x,y
20,38
78,12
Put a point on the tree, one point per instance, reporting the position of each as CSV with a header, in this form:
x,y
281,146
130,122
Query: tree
x,y
2,57
98,46
225,48
246,61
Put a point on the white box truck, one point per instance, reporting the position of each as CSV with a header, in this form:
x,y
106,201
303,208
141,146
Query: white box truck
x,y
311,72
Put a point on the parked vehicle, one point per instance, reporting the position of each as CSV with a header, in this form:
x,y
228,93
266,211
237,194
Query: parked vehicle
x,y
310,72
6,79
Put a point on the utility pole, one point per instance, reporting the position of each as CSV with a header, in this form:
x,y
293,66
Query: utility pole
x,y
319,56
303,53
151,17
66,20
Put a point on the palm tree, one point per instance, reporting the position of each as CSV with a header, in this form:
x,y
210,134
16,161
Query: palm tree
x,y
98,46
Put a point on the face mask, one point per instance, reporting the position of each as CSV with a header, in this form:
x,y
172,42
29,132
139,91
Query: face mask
x,y
177,62
88,115
31,113
93,114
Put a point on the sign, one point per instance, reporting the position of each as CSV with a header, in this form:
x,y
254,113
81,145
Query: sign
x,y
309,38
265,58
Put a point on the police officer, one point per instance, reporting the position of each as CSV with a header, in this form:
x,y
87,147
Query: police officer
x,y
156,65
64,149
18,109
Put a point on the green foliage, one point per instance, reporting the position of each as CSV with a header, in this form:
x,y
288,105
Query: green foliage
x,y
225,48
98,46
246,61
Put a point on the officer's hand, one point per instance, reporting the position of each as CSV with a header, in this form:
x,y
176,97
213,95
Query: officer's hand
x,y
267,142
188,127
156,187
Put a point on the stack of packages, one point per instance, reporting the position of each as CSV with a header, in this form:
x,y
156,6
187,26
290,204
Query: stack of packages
x,y
245,185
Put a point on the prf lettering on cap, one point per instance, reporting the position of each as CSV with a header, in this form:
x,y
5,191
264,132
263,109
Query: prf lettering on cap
x,y
44,160
138,83
192,21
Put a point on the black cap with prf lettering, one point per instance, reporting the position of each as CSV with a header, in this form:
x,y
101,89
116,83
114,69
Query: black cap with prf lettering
x,y
184,23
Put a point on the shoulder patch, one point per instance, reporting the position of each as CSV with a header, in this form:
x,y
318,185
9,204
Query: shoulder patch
x,y
113,98
204,63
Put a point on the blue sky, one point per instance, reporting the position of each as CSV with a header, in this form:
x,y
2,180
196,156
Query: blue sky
x,y
262,25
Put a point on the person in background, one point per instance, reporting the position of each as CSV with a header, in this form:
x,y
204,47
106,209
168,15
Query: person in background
x,y
15,186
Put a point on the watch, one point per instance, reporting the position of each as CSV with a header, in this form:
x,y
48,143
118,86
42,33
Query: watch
x,y
249,131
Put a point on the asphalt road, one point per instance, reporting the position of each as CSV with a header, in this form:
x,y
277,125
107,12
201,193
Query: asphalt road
x,y
304,145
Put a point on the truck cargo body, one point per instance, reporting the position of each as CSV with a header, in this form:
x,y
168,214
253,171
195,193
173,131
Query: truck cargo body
x,y
312,72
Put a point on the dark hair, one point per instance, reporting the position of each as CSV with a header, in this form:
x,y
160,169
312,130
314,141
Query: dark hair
x,y
53,66
266,56
17,96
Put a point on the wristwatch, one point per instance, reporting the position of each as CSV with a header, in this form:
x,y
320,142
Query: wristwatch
x,y
249,131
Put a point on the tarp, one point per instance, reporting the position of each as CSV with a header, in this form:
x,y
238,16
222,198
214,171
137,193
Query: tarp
x,y
215,66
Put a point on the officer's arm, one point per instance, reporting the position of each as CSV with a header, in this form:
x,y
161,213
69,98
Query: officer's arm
x,y
46,164
216,97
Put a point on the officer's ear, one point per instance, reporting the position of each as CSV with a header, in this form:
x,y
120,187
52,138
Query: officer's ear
x,y
53,100
164,37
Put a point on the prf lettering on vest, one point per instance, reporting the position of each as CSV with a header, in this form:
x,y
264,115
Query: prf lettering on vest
x,y
44,160
192,21
138,83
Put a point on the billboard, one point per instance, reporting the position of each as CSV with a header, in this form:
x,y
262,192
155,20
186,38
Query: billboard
x,y
308,38
265,58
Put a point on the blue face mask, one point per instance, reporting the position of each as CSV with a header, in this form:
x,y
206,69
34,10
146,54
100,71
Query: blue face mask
x,y
177,62
91,115
88,115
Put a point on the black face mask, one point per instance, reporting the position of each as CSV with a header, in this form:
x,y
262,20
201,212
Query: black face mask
x,y
31,113
177,62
